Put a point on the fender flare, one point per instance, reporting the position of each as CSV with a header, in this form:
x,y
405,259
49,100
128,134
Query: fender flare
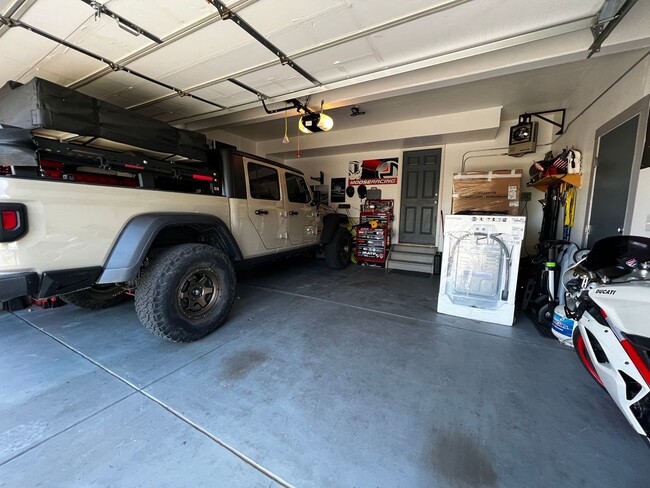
x,y
137,236
330,223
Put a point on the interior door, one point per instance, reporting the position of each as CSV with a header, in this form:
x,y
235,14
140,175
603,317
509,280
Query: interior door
x,y
265,206
613,172
419,203
301,216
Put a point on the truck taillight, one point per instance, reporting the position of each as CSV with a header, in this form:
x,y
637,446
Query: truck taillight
x,y
9,220
5,170
13,221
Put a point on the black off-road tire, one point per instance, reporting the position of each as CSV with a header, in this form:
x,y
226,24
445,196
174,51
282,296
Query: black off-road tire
x,y
96,297
338,252
164,295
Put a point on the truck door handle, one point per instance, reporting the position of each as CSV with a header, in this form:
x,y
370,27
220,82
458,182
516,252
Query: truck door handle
x,y
293,212
261,212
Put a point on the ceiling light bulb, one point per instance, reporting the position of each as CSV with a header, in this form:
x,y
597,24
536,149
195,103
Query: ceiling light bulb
x,y
325,123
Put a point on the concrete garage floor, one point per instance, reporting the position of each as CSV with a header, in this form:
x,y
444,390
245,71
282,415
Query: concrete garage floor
x,y
319,378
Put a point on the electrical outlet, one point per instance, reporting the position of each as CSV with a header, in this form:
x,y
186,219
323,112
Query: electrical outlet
x,y
526,196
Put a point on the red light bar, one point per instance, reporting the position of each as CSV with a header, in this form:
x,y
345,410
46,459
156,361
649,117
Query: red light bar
x,y
202,177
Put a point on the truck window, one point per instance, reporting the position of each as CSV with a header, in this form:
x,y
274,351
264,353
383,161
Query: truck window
x,y
297,189
264,182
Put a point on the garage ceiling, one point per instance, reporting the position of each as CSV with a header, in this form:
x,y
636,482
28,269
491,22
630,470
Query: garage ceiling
x,y
331,44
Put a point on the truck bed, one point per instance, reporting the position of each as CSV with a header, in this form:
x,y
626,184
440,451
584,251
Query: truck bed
x,y
74,226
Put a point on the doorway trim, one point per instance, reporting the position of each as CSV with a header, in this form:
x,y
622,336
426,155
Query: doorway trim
x,y
642,109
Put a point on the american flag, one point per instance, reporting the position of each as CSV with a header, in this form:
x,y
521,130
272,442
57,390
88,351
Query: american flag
x,y
562,161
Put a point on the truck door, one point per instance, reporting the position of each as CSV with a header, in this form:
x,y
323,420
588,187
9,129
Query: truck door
x,y
301,215
265,204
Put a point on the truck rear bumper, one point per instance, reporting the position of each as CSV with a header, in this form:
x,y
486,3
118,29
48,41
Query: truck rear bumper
x,y
52,283
18,285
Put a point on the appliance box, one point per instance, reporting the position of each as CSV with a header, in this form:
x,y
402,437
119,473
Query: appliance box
x,y
487,191
480,261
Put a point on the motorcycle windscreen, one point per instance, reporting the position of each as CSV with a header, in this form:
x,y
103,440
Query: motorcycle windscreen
x,y
617,255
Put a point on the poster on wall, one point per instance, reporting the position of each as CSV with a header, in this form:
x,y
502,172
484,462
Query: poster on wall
x,y
338,190
373,172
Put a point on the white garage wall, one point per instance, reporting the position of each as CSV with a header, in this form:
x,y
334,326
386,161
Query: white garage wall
x,y
452,156
337,167
634,86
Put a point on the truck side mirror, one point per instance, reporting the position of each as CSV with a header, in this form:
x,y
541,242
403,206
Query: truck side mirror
x,y
315,198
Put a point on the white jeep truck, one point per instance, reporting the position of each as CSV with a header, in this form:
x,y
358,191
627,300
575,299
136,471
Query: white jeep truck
x,y
97,203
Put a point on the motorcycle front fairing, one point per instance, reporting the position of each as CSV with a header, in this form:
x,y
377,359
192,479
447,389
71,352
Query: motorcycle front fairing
x,y
626,307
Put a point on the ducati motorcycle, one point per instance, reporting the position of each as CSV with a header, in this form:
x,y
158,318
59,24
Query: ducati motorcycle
x,y
608,296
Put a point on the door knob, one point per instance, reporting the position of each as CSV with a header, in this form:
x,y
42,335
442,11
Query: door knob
x,y
293,212
261,212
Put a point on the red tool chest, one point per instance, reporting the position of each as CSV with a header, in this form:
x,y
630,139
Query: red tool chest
x,y
374,231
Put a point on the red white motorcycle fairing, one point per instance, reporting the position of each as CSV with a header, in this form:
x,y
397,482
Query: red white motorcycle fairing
x,y
621,367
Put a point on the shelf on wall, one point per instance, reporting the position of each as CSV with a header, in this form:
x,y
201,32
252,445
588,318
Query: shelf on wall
x,y
544,183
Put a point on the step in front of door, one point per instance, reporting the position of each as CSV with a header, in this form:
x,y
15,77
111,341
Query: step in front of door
x,y
412,257
414,249
409,266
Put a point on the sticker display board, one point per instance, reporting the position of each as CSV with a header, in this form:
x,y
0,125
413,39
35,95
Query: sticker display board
x,y
480,262
373,172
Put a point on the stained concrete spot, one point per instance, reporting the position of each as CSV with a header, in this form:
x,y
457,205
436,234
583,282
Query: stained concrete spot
x,y
462,460
239,365
21,437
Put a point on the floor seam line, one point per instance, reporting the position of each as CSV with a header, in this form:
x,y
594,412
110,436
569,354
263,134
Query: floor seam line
x,y
170,409
364,309
71,426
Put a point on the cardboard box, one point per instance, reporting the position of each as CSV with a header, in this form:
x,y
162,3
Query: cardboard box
x,y
487,191
480,262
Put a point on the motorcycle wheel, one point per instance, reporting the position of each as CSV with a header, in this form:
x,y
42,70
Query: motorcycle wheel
x,y
544,315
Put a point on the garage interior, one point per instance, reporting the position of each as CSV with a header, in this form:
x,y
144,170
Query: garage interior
x,y
326,377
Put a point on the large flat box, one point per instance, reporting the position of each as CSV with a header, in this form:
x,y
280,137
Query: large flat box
x,y
480,261
487,191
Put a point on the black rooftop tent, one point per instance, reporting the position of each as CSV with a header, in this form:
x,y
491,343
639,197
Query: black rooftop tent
x,y
41,104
